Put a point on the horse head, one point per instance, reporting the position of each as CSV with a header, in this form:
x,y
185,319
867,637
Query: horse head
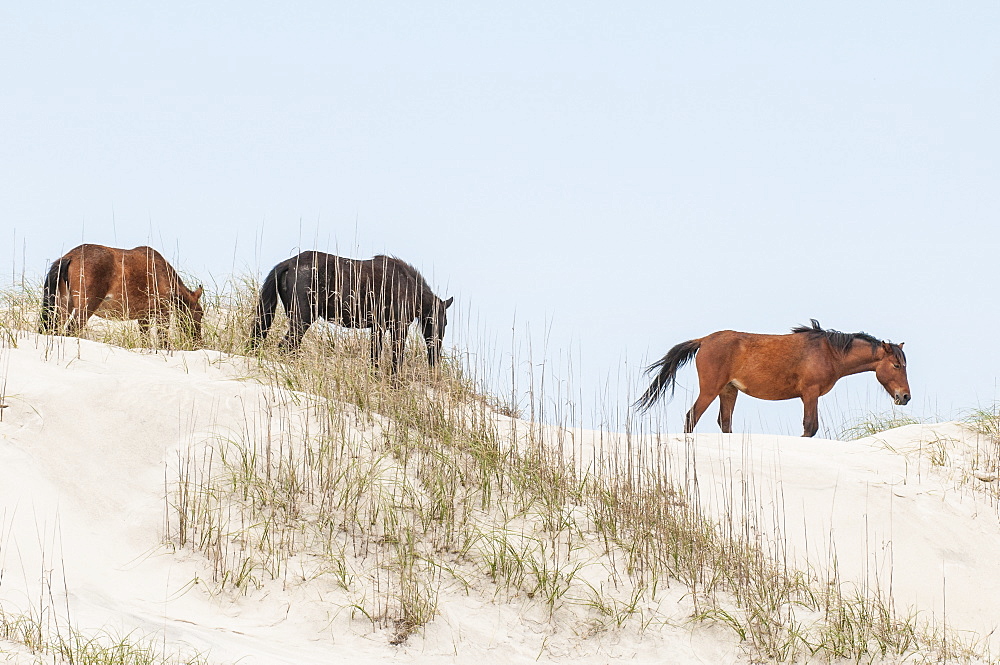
x,y
197,311
890,370
434,322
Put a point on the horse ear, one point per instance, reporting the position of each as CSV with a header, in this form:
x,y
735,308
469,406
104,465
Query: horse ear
x,y
447,303
901,344
197,292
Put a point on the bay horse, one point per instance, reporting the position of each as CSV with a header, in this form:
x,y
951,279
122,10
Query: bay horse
x,y
116,283
382,293
803,364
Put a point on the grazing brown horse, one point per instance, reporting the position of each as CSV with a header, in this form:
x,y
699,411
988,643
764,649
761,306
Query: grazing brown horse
x,y
804,364
382,293
118,284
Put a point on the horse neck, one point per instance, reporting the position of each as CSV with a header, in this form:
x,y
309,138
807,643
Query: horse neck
x,y
859,358
181,294
431,305
428,303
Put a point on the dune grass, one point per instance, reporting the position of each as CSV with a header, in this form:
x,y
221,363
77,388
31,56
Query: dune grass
x,y
968,462
399,494
985,421
48,636
984,461
48,644
875,423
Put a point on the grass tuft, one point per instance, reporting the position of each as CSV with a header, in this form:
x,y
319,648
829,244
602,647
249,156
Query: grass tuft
x,y
875,423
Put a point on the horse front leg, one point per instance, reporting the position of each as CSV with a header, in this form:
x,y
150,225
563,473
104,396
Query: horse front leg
x,y
377,336
397,342
146,329
162,338
154,328
727,402
810,418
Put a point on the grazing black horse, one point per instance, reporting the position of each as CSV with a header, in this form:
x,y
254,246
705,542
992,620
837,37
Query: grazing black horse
x,y
382,293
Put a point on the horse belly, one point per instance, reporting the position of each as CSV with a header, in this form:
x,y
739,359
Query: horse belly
x,y
773,390
345,318
113,307
348,314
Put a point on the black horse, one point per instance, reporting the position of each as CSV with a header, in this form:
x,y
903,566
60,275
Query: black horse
x,y
382,293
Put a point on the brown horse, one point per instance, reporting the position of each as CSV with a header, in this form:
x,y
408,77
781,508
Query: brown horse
x,y
119,284
804,364
382,293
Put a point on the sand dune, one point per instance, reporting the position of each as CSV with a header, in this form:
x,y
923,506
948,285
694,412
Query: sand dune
x,y
92,436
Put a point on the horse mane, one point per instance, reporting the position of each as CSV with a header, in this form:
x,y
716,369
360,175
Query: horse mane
x,y
427,297
162,265
841,341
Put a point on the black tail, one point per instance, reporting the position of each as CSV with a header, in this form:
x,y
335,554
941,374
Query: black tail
x,y
668,366
58,272
267,305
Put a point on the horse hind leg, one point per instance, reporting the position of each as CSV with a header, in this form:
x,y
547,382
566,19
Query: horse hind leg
x,y
299,320
63,315
711,383
80,314
297,327
697,410
727,402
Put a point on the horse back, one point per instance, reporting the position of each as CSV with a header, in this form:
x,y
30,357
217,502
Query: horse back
x,y
764,366
356,292
323,285
146,263
123,282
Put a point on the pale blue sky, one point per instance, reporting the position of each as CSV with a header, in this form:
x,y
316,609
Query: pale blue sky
x,y
625,175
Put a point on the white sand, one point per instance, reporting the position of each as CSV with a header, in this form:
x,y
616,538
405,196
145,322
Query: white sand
x,y
929,534
90,440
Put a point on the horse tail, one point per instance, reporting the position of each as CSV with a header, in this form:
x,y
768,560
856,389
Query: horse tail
x,y
668,365
58,273
267,305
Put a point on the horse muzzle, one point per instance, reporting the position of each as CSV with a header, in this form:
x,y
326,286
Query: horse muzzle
x,y
902,399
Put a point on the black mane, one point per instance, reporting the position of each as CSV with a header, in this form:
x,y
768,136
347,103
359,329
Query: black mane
x,y
841,341
425,295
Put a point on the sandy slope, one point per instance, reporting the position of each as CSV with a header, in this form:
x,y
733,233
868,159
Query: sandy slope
x,y
903,511
91,436
88,444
